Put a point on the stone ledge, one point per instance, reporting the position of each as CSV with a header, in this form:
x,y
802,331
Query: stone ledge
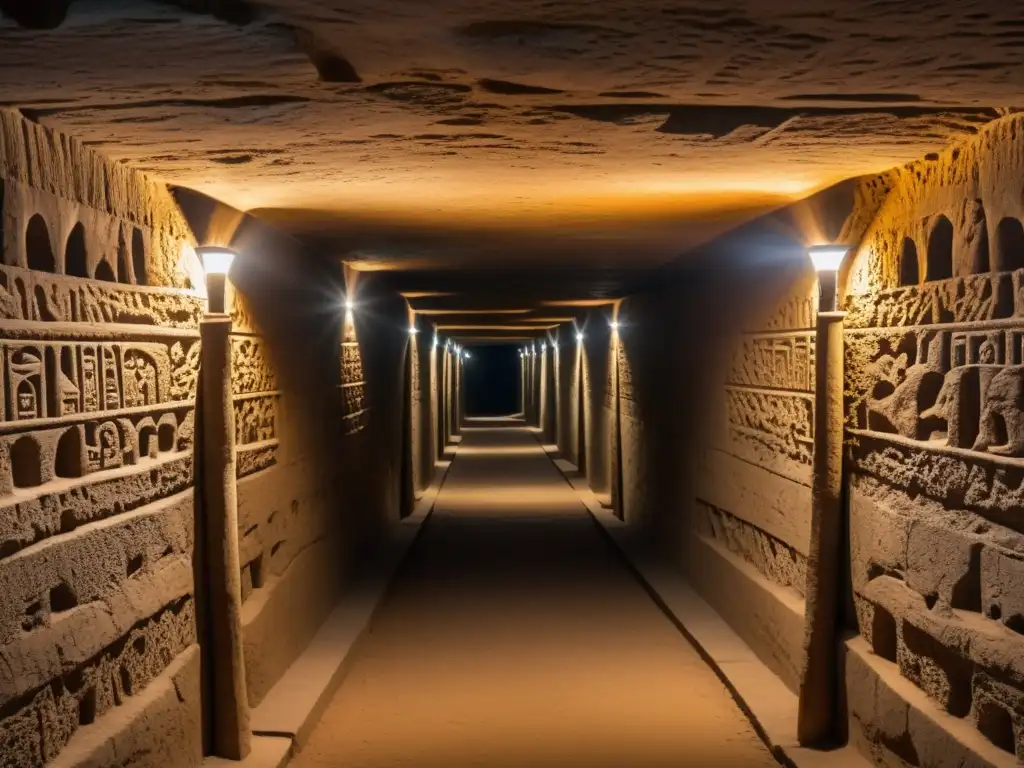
x,y
295,704
770,706
267,752
883,702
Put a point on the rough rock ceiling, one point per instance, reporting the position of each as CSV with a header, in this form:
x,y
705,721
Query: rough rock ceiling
x,y
611,133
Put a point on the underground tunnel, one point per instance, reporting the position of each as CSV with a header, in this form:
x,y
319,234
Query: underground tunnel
x,y
389,383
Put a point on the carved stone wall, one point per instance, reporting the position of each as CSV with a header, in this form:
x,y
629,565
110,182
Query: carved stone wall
x,y
99,356
935,391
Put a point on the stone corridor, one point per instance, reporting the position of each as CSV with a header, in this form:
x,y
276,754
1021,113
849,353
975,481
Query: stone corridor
x,y
515,636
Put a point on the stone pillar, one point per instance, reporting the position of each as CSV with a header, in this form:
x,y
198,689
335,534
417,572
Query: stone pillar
x,y
231,737
447,381
618,494
435,406
579,410
522,386
550,394
542,391
460,403
818,710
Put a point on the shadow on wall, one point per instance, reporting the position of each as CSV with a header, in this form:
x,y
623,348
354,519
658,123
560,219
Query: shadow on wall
x,y
309,498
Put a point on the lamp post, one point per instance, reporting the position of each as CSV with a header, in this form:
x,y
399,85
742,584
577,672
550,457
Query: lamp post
x,y
231,736
818,698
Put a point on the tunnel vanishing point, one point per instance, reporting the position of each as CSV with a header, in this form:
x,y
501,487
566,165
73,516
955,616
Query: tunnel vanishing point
x,y
758,268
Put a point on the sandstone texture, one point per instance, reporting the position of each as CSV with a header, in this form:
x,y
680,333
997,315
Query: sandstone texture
x,y
361,121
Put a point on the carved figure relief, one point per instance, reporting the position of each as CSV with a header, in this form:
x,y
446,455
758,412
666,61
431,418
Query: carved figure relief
x,y
962,388
27,377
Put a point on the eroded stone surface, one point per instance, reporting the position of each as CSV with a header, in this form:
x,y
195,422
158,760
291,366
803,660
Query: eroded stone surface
x,y
497,110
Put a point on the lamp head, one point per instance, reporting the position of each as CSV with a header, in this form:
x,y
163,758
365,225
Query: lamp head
x,y
217,260
826,260
413,330
579,336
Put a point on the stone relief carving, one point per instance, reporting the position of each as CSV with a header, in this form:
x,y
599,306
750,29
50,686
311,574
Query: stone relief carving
x,y
956,385
935,407
255,419
29,295
778,360
251,371
353,389
966,299
771,425
59,379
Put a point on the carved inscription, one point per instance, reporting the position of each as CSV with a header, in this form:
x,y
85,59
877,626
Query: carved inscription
x,y
55,379
255,419
766,426
779,361
30,295
251,371
353,389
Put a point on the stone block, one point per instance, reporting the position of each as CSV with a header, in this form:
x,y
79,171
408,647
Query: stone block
x,y
1002,587
944,564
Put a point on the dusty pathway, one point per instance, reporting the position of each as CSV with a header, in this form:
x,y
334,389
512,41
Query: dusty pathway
x,y
515,637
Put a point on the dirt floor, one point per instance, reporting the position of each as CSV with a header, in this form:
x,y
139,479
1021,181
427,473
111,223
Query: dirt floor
x,y
514,636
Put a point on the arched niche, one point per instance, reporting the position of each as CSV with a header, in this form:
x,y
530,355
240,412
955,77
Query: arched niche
x,y
76,259
26,463
1009,245
70,456
148,440
38,248
138,256
940,250
909,269
167,434
105,272
124,271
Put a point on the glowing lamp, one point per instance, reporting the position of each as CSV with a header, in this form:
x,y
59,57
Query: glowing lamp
x,y
217,261
466,354
413,330
615,325
826,260
579,336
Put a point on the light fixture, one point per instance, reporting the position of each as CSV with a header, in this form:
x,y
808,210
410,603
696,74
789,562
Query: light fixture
x,y
466,354
217,261
579,336
413,330
826,260
615,325
543,346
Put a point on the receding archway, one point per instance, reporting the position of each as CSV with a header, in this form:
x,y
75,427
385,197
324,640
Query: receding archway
x,y
124,272
1009,244
909,270
138,257
940,250
38,248
76,260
